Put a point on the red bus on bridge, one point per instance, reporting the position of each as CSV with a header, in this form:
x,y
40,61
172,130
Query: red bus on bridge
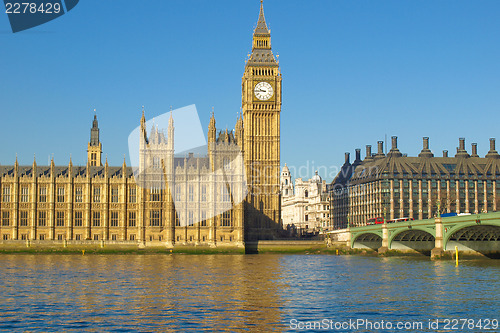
x,y
375,220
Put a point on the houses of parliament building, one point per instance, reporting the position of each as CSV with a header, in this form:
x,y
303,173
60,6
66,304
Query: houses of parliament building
x,y
224,199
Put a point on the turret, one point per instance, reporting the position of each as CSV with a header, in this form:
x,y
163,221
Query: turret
x,y
124,168
16,167
94,147
106,168
52,167
239,131
34,167
70,167
211,129
143,136
286,182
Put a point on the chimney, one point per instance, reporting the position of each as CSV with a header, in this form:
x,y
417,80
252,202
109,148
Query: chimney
x,y
347,158
394,152
474,150
380,152
394,142
368,151
492,153
445,153
358,154
426,152
461,145
380,145
461,152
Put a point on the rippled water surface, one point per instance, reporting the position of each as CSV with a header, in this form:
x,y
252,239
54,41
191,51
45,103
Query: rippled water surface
x,y
255,293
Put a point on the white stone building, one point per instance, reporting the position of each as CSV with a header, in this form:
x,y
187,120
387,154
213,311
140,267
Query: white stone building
x,y
304,205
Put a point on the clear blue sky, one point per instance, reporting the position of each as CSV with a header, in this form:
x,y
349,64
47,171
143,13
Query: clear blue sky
x,y
353,71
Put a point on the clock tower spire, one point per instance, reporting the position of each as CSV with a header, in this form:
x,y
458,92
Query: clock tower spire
x,y
261,105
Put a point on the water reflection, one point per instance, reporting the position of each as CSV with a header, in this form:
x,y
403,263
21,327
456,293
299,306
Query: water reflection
x,y
153,292
258,293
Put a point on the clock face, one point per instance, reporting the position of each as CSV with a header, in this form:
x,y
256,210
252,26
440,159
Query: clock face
x,y
263,91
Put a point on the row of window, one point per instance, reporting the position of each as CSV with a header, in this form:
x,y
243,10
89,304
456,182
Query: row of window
x,y
60,197
325,207
77,222
324,215
78,237
155,194
224,193
114,237
434,184
262,71
155,219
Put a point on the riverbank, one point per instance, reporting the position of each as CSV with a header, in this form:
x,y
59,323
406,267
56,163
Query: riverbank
x,y
257,247
114,247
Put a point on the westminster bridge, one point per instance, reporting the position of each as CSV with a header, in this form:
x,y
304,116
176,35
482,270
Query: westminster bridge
x,y
478,233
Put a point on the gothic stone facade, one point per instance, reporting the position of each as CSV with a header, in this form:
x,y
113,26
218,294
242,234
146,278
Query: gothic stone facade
x,y
195,203
261,106
107,203
397,186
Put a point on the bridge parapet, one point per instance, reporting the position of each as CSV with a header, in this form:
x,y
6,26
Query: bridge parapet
x,y
438,230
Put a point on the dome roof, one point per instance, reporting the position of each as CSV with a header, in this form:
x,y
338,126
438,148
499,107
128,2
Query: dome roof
x,y
316,178
285,168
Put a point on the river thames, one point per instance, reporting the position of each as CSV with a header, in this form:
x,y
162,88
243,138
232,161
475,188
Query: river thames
x,y
254,293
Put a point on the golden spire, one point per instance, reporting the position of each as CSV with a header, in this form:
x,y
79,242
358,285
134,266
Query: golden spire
x,y
261,23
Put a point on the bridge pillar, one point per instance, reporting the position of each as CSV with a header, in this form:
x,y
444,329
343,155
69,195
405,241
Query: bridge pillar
x,y
385,239
438,249
349,237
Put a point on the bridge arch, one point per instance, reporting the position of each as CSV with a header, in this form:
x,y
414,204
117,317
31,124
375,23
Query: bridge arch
x,y
367,239
415,238
473,236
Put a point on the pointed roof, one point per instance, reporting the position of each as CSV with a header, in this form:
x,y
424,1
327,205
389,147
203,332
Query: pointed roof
x,y
261,50
261,28
212,119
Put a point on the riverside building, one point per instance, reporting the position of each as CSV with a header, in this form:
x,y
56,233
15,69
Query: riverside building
x,y
305,208
394,185
226,198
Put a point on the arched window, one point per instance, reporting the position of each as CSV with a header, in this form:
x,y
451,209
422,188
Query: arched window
x,y
227,163
306,194
156,162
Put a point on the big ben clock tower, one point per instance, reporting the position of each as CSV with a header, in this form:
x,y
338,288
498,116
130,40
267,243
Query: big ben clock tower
x,y
261,104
